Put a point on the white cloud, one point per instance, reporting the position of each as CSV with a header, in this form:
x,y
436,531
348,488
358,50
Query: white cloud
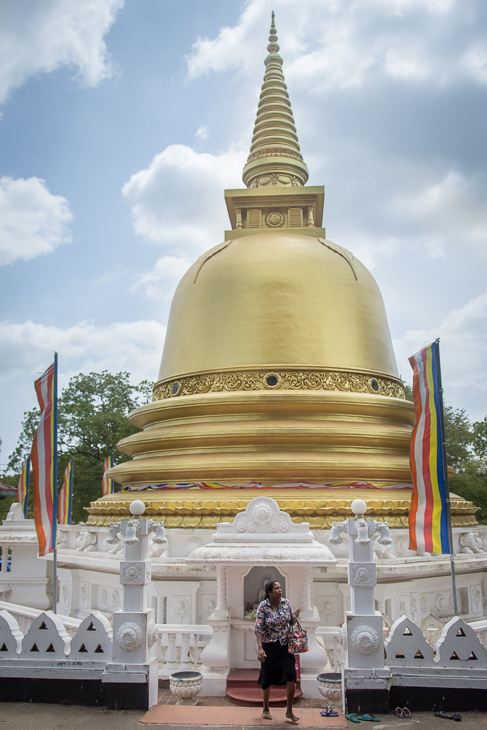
x,y
85,347
161,281
463,341
445,211
177,201
32,220
352,42
44,35
475,63
201,132
27,349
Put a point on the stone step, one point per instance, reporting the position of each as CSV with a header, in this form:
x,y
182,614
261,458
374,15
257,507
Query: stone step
x,y
242,689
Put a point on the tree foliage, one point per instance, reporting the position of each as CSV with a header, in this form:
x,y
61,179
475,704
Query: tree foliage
x,y
92,418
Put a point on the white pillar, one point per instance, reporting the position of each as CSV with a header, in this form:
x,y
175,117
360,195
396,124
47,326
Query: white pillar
x,y
306,583
221,609
4,557
171,653
185,663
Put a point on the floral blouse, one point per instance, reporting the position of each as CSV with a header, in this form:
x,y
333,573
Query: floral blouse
x,y
273,623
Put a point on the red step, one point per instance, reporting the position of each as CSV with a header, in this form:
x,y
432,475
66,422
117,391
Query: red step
x,y
242,689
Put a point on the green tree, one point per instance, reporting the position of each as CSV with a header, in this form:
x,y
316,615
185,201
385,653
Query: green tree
x,y
479,441
458,432
92,418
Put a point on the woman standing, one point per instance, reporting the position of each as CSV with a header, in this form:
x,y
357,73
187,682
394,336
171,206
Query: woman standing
x,y
274,620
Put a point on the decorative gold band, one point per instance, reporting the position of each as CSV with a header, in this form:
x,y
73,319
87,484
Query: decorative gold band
x,y
279,380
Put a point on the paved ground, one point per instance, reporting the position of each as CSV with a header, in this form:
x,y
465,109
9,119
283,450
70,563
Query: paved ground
x,y
58,717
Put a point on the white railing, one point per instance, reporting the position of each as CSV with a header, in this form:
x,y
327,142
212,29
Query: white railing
x,y
25,616
329,637
181,645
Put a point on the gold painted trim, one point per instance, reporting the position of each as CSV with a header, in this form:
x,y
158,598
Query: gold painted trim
x,y
246,380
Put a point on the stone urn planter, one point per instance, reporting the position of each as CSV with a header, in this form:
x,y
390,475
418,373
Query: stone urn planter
x,y
330,687
186,686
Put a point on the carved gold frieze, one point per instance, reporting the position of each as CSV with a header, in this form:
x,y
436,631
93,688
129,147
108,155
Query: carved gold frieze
x,y
274,152
279,380
276,179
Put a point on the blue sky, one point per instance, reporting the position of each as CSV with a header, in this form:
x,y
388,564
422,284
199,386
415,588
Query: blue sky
x,y
122,123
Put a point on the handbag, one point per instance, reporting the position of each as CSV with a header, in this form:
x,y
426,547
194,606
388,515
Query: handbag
x,y
297,642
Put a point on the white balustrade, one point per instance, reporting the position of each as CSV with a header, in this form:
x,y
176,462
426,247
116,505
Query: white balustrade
x,y
181,646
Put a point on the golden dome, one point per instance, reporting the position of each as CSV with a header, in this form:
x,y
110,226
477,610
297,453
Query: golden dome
x,y
277,367
277,300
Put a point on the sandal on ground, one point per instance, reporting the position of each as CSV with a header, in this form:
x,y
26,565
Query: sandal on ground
x,y
352,717
399,712
328,712
266,715
369,718
449,716
406,712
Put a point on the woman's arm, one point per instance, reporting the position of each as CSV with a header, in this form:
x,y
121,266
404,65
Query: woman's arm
x,y
261,655
259,628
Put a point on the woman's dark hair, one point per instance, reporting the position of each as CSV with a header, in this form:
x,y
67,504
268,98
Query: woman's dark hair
x,y
269,587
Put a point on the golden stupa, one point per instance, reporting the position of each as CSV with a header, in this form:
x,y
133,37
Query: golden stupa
x,y
278,366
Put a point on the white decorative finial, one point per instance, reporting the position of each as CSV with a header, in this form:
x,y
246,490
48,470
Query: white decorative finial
x,y
359,507
137,507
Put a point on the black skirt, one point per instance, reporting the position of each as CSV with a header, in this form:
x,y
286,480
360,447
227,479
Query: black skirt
x,y
278,667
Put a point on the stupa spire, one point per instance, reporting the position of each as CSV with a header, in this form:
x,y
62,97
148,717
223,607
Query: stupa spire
x,y
275,157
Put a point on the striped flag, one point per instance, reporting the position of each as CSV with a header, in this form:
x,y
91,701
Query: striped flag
x,y
429,515
65,497
44,461
23,486
107,484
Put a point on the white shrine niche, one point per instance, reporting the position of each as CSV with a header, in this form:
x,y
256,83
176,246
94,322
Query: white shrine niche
x,y
261,542
254,583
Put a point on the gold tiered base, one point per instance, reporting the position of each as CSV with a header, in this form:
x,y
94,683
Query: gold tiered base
x,y
270,437
205,508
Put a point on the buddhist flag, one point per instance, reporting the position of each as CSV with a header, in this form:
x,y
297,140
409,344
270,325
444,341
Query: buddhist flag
x,y
107,485
429,514
65,497
44,461
23,486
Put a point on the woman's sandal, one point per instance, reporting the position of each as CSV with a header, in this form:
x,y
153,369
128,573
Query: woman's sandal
x,y
352,717
266,715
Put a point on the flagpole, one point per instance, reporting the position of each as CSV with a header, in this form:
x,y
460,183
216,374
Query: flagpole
x,y
54,495
447,486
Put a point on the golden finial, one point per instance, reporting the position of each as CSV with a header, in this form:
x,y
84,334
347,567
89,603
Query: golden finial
x,y
275,157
